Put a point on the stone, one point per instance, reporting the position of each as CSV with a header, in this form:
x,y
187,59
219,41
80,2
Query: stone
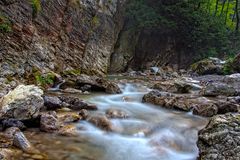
x,y
182,87
220,139
24,102
98,84
68,117
84,114
208,66
217,88
7,123
75,103
49,122
72,91
52,102
68,130
101,121
116,113
20,141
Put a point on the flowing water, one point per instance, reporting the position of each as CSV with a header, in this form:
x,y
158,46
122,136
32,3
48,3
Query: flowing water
x,y
150,133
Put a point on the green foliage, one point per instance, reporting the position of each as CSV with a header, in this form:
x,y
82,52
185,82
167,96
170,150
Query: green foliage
x,y
228,68
145,16
199,32
36,6
44,80
5,24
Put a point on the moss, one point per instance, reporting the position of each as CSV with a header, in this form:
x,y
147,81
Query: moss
x,y
36,6
5,24
95,21
73,72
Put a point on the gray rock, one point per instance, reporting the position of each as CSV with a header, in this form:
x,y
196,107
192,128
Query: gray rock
x,y
116,113
216,89
24,102
220,139
49,122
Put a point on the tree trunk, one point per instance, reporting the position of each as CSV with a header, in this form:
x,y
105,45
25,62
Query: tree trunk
x,y
216,8
237,16
223,5
226,16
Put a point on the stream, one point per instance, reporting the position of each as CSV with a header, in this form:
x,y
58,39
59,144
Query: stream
x,y
150,132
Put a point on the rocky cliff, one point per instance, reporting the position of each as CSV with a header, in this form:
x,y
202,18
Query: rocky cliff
x,y
58,35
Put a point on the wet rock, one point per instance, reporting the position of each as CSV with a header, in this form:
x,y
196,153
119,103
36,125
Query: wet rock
x,y
49,122
208,66
101,121
24,102
84,114
84,82
227,106
68,130
220,139
216,89
9,153
205,109
68,117
116,113
75,103
182,87
168,100
86,87
7,123
52,102
20,141
165,86
72,91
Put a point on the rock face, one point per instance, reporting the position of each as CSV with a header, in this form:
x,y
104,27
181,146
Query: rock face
x,y
221,138
59,35
24,102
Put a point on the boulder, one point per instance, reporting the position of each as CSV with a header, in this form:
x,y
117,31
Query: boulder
x,y
24,102
218,88
68,117
208,66
182,87
68,130
116,113
75,103
220,139
18,139
49,122
7,123
52,102
93,83
168,100
101,121
83,114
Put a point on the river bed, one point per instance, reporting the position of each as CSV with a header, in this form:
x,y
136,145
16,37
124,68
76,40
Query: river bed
x,y
150,132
